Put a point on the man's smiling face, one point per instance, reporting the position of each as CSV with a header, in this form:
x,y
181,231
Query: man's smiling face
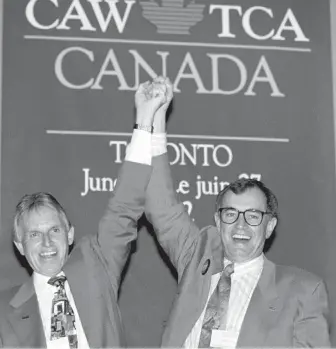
x,y
45,240
243,242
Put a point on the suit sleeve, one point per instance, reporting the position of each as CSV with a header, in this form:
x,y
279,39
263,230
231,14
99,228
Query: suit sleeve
x,y
118,226
311,326
176,232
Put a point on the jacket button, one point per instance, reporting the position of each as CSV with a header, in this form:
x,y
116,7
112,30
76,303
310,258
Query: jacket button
x,y
206,266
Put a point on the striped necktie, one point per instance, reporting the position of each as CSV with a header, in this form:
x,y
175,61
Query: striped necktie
x,y
217,308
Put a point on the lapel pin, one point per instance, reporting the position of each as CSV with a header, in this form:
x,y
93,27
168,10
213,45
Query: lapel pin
x,y
206,266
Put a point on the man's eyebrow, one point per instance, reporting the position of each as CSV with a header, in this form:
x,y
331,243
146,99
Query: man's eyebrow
x,y
32,231
55,226
25,233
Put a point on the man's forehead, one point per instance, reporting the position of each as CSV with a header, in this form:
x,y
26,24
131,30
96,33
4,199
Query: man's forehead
x,y
250,198
41,216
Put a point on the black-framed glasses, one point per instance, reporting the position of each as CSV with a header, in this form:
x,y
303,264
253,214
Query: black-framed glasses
x,y
229,215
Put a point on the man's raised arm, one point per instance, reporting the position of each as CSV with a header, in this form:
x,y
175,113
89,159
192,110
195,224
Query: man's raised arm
x,y
176,232
118,226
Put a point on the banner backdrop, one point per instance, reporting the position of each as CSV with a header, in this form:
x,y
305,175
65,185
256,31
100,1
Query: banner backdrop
x,y
253,98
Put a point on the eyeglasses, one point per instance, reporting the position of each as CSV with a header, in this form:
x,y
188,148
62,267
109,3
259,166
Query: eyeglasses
x,y
230,215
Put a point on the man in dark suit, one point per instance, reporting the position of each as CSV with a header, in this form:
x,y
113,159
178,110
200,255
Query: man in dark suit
x,y
71,299
229,294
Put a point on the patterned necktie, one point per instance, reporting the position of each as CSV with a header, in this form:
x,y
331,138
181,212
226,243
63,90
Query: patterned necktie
x,y
216,311
62,316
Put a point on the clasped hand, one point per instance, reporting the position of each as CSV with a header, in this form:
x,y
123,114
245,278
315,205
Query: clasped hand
x,y
152,99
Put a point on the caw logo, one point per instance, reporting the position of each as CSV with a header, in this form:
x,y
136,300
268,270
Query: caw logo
x,y
169,17
172,17
215,66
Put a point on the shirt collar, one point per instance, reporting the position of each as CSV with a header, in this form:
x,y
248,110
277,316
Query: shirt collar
x,y
41,281
255,264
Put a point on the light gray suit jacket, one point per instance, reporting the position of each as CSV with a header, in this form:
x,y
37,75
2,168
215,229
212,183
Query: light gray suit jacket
x,y
289,306
93,271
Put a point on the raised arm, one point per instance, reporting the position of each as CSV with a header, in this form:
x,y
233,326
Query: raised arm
x,y
118,226
176,232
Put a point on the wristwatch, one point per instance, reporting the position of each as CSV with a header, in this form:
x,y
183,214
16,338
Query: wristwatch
x,y
149,129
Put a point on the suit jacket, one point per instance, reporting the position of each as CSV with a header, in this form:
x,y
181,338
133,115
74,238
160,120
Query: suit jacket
x,y
93,271
288,308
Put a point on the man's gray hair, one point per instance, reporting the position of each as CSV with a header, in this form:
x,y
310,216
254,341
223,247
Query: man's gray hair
x,y
33,202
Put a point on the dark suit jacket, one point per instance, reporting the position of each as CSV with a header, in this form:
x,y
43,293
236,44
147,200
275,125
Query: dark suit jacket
x,y
93,271
288,307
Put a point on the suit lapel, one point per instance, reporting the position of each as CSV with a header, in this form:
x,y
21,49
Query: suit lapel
x,y
217,251
80,288
189,305
262,311
25,317
193,288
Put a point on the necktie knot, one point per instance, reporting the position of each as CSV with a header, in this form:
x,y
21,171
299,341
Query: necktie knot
x,y
57,281
229,269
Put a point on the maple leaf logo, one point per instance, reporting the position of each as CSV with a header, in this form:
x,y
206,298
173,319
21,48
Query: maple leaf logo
x,y
172,17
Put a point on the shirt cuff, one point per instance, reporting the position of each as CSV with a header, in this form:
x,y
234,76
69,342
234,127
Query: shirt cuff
x,y
159,144
140,148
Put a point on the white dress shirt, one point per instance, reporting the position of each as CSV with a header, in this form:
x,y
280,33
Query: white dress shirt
x,y
139,150
45,295
243,282
159,144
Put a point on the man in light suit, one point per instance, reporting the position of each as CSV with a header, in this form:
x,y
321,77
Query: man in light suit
x,y
43,234
268,305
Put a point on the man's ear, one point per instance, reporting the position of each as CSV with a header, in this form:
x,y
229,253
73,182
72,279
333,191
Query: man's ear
x,y
271,226
19,246
71,236
217,220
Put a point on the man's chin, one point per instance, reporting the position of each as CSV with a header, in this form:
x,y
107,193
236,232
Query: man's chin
x,y
51,270
239,256
51,273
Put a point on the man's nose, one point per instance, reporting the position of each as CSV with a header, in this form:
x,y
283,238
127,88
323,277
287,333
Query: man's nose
x,y
46,239
241,220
